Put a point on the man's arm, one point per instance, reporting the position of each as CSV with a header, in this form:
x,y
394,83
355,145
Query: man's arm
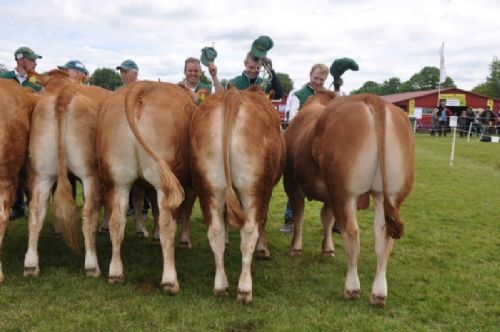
x,y
292,106
212,69
276,86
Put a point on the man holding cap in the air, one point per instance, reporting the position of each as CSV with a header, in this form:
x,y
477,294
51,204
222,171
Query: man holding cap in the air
x,y
76,71
253,61
128,72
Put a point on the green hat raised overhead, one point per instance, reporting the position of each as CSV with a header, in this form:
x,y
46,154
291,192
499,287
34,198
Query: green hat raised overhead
x,y
260,46
26,52
208,55
339,66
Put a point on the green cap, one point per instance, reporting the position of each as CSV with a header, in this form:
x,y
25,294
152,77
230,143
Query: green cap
x,y
339,66
260,46
26,52
75,65
208,55
128,65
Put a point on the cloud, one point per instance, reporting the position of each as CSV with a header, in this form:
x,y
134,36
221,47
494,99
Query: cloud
x,y
387,38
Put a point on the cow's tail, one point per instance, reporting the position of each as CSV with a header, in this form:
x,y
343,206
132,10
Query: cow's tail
x,y
393,223
64,203
232,102
134,102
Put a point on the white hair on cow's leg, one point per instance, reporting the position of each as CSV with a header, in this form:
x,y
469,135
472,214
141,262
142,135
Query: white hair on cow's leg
x,y
117,222
37,211
90,215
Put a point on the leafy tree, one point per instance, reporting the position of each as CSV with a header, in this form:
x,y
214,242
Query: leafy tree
x,y
369,87
425,79
286,82
106,78
390,86
204,79
223,82
3,68
491,87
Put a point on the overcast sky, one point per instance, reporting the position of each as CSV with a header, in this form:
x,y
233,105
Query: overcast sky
x,y
386,38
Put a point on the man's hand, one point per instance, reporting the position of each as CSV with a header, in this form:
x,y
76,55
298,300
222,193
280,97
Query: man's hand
x,y
212,69
266,62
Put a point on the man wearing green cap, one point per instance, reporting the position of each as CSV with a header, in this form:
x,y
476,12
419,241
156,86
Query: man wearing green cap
x,y
25,61
128,72
76,71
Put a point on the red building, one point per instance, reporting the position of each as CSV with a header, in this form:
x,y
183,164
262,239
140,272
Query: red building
x,y
457,100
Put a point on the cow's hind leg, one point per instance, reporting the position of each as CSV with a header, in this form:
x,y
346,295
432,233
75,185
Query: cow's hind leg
x,y
183,216
117,220
138,194
7,192
383,248
90,214
167,226
345,214
214,205
255,208
38,209
297,202
327,248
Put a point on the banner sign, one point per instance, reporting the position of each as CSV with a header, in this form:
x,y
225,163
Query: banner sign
x,y
454,99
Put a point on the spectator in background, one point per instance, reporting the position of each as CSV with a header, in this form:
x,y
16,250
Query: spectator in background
x,y
435,122
487,119
444,114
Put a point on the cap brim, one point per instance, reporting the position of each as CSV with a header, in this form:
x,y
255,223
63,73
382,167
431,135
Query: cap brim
x,y
256,53
204,61
62,67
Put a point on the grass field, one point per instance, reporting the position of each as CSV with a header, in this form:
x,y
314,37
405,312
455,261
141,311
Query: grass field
x,y
443,275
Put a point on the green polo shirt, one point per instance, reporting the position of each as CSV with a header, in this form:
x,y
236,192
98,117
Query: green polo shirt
x,y
204,86
243,81
12,75
304,93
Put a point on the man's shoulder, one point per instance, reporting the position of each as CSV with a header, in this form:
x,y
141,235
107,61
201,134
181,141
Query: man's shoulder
x,y
8,74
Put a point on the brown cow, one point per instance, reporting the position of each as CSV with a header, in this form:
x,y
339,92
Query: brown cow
x,y
335,154
143,133
62,138
16,106
237,152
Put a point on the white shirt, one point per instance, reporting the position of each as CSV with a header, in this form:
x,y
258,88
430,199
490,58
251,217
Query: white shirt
x,y
292,105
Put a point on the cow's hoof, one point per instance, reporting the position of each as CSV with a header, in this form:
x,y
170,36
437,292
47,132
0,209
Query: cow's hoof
x,y
377,300
171,288
294,252
93,272
244,297
328,253
156,240
116,279
351,294
140,234
185,244
31,271
222,292
262,255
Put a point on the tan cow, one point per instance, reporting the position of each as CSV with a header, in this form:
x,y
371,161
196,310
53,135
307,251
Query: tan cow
x,y
62,138
143,133
16,106
237,152
335,154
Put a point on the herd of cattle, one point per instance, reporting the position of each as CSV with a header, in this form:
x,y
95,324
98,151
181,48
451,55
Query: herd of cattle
x,y
229,152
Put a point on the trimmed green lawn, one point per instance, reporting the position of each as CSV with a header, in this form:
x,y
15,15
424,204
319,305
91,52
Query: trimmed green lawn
x,y
443,274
